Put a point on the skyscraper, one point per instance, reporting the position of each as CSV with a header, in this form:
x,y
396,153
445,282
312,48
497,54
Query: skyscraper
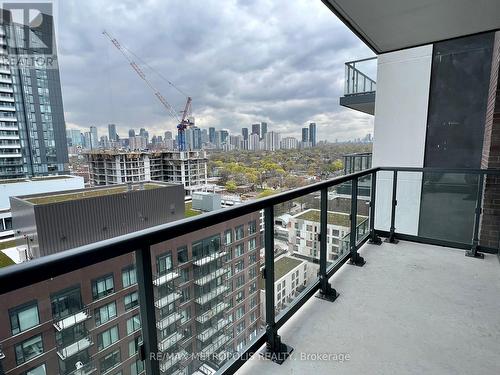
x,y
211,135
168,135
256,129
112,132
32,115
244,133
94,140
305,135
312,134
263,130
131,133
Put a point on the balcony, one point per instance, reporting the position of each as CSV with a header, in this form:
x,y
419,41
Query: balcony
x,y
205,298
359,88
164,301
399,301
72,320
169,341
209,258
173,359
410,301
209,332
168,320
163,279
74,348
211,276
217,309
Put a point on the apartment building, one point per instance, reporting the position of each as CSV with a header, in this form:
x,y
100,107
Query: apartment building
x,y
303,233
87,321
290,278
188,168
32,125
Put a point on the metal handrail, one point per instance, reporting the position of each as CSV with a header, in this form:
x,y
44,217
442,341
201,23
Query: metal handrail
x,y
18,276
21,275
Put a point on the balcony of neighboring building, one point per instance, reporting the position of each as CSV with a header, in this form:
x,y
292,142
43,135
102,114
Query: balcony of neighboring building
x,y
360,86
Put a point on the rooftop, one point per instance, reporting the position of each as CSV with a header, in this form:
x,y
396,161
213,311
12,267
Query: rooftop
x,y
44,178
334,218
86,193
412,309
281,267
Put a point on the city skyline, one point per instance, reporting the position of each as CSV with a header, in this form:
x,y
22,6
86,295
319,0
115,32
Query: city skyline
x,y
285,86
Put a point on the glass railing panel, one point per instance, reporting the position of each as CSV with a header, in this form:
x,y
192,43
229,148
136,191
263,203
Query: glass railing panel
x,y
447,206
79,323
363,208
207,298
296,248
339,224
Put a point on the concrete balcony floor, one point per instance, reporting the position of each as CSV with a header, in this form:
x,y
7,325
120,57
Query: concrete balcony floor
x,y
412,309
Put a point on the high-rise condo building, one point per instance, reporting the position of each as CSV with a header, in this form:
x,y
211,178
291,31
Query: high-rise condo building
x,y
312,134
33,129
112,132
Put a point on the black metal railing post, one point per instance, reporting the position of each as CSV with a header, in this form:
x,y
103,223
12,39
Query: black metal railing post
x,y
326,291
477,218
374,239
392,230
275,350
148,351
356,259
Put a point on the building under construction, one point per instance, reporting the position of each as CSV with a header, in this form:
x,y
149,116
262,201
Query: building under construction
x,y
110,167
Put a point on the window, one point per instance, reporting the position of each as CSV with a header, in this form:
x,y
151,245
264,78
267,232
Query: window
x,y
239,266
131,300
252,227
252,273
133,346
252,244
164,263
239,232
133,324
137,367
129,276
29,349
24,317
105,313
240,280
228,236
107,338
103,286
186,315
240,327
239,250
182,254
240,296
39,370
66,302
253,287
240,311
110,361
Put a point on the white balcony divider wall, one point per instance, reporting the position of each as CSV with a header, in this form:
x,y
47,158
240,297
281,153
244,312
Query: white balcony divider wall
x,y
401,105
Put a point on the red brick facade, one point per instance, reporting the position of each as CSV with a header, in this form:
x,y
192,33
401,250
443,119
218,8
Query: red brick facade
x,y
490,221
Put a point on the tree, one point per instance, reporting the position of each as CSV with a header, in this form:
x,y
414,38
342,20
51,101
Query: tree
x,y
231,186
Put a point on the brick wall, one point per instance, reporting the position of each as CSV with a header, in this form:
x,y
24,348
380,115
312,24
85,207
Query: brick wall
x,y
490,221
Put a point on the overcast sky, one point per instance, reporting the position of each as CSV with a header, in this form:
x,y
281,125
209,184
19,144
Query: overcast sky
x,y
242,61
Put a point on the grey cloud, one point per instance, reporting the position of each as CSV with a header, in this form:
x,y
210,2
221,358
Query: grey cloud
x,y
241,61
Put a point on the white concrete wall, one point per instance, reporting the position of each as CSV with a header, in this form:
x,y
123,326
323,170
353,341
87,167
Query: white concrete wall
x,y
401,104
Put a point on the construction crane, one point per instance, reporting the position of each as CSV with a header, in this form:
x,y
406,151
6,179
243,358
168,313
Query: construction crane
x,y
184,121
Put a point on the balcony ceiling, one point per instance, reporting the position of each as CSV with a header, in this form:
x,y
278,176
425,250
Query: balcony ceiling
x,y
390,25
